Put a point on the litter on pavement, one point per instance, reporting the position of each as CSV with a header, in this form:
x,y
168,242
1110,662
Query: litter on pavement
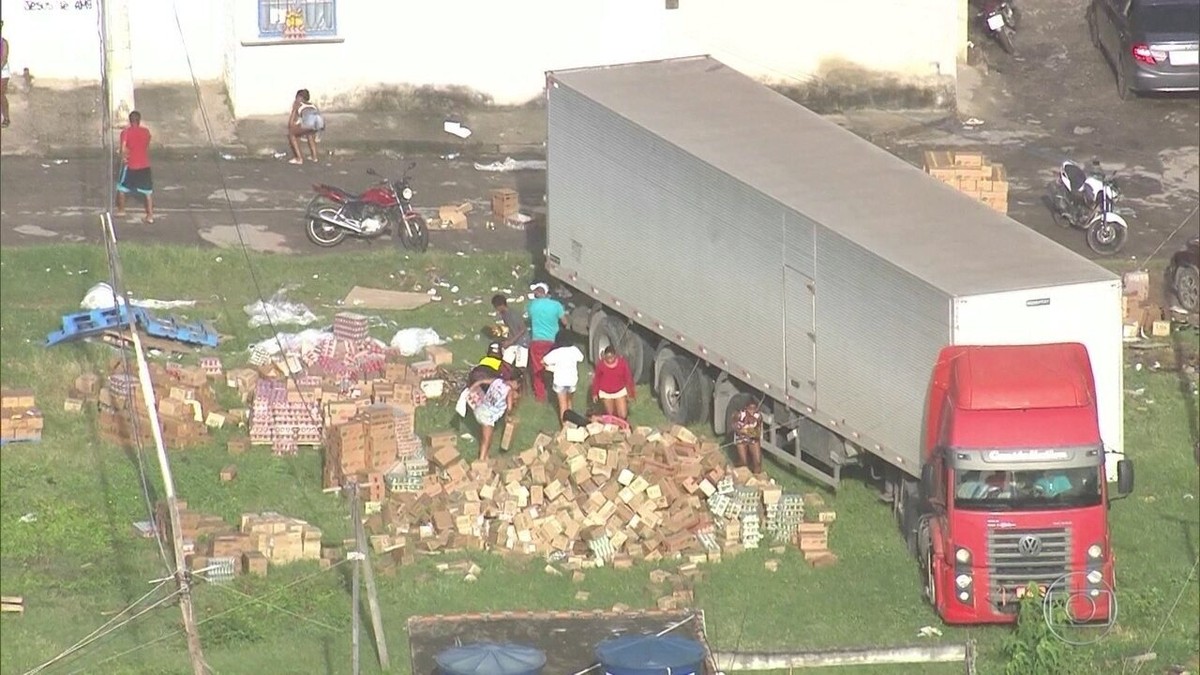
x,y
510,164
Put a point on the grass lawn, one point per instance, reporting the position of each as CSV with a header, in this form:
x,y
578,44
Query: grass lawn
x,y
78,561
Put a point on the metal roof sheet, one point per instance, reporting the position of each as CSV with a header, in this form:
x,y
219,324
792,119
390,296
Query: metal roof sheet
x,y
831,176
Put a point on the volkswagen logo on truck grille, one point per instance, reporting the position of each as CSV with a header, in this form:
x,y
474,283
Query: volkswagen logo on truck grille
x,y
1029,545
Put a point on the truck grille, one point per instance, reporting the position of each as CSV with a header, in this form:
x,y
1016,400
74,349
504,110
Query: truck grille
x,y
1017,557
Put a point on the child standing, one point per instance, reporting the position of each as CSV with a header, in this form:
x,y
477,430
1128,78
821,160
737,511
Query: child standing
x,y
563,363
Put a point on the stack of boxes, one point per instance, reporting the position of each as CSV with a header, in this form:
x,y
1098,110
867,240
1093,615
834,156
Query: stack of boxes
x,y
376,443
970,173
183,398
20,419
285,414
211,544
1142,318
504,204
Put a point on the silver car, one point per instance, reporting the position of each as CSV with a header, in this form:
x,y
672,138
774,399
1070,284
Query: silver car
x,y
1153,45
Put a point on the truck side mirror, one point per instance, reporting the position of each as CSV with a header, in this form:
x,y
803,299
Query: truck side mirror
x,y
1124,477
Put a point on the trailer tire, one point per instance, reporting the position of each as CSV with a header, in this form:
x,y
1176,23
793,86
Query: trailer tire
x,y
735,405
680,390
606,330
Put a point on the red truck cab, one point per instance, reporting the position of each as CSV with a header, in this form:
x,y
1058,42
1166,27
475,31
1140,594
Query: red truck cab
x,y
1013,484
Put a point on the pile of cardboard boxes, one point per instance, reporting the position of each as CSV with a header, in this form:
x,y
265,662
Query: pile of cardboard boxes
x,y
1141,317
20,419
187,406
971,173
591,496
261,539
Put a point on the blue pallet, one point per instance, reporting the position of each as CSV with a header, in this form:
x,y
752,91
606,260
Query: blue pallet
x,y
97,321
87,324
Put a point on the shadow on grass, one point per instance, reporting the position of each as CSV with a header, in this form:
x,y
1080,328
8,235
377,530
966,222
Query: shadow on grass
x,y
121,564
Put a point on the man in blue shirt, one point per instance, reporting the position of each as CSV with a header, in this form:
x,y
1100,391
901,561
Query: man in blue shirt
x,y
546,317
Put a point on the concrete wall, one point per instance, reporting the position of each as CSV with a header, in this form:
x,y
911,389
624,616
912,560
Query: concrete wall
x,y
499,50
831,54
62,44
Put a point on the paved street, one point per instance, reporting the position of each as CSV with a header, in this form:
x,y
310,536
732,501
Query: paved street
x,y
1055,101
1058,100
45,201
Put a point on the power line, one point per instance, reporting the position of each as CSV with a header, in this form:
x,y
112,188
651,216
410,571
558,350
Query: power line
x,y
179,571
177,631
106,628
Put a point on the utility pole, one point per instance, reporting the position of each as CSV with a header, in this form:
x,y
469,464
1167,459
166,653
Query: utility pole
x,y
355,599
362,559
118,59
182,578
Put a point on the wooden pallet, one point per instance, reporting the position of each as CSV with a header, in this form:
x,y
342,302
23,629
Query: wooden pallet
x,y
121,340
12,603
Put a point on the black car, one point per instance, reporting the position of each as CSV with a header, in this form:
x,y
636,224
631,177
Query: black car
x,y
1153,45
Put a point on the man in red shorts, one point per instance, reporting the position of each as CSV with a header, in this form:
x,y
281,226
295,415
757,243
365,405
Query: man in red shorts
x,y
135,166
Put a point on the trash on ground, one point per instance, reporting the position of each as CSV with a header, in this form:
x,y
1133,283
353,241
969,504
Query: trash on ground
x,y
29,518
279,310
303,341
454,216
363,297
101,296
410,341
456,129
510,164
929,631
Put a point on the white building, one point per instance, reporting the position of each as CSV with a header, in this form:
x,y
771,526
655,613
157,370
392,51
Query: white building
x,y
495,50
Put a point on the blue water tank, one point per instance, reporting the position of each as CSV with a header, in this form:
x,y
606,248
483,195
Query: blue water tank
x,y
487,658
650,655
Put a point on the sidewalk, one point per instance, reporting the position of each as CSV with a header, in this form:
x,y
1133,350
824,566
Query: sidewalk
x,y
60,122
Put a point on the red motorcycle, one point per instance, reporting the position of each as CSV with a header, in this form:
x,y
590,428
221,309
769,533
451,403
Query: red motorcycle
x,y
334,214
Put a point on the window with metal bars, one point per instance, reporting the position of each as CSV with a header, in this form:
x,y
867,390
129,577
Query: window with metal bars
x,y
297,19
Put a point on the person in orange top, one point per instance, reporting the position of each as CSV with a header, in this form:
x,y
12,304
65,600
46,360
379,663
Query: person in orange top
x,y
135,166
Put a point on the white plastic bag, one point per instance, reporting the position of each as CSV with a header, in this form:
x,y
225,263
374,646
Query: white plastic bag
x,y
411,341
101,296
279,310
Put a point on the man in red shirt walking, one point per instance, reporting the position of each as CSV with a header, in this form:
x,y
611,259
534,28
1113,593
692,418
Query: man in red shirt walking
x,y
135,166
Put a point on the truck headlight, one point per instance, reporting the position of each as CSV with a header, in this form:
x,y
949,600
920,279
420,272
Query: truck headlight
x,y
1094,577
962,580
1095,551
962,555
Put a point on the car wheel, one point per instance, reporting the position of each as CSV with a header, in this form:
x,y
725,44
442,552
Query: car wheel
x,y
1123,89
1187,287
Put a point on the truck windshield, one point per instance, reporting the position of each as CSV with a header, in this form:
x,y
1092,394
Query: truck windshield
x,y
1027,490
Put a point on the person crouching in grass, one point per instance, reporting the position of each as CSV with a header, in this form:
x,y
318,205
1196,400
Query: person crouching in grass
x,y
612,384
563,363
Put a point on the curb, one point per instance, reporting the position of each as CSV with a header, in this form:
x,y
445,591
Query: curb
x,y
355,148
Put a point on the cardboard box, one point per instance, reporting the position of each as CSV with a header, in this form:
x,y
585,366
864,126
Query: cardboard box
x,y
504,204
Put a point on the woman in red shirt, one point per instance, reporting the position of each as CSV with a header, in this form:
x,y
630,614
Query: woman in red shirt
x,y
612,384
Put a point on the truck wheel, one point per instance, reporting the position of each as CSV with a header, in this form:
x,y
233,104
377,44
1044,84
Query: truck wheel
x,y
734,407
612,331
680,390
925,561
